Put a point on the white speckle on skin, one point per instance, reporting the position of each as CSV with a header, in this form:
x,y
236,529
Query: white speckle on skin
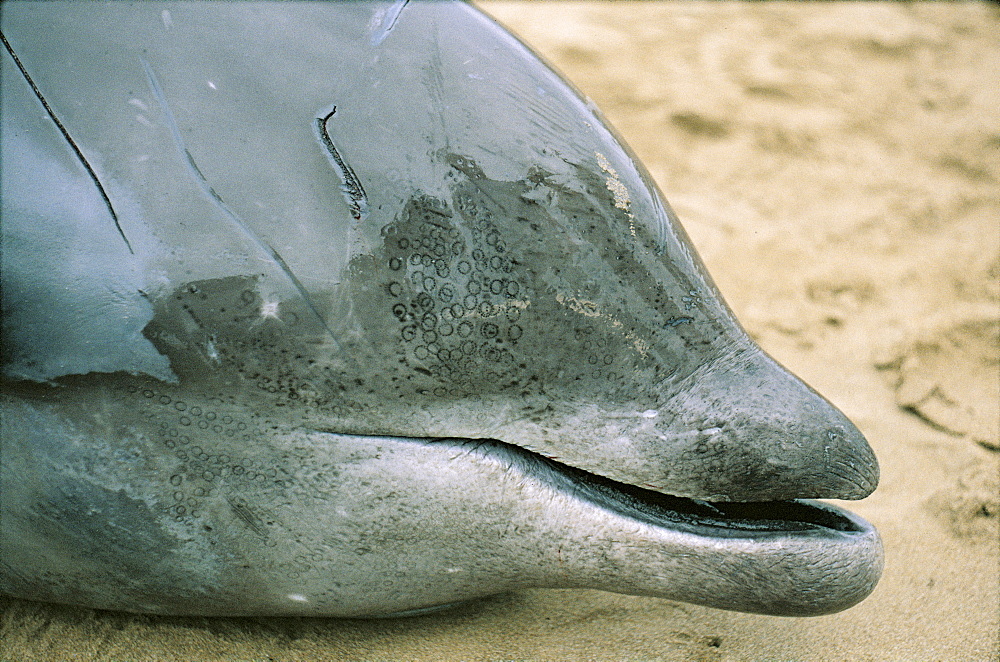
x,y
211,351
167,20
269,309
211,84
297,597
650,413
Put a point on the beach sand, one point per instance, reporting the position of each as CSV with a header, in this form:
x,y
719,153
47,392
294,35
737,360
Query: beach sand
x,y
837,166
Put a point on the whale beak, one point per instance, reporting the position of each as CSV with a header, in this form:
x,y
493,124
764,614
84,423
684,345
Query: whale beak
x,y
752,431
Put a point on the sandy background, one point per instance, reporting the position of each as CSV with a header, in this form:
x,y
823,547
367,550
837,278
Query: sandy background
x,y
837,167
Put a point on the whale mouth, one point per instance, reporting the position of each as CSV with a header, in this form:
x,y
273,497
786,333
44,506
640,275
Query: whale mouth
x,y
730,519
714,519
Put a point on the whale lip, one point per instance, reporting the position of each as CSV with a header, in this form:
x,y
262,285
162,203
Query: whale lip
x,y
711,518
796,517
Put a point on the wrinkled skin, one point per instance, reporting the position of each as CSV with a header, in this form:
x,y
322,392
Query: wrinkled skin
x,y
355,309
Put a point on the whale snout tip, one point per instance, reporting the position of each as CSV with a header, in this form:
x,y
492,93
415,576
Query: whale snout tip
x,y
842,462
773,438
836,463
855,468
774,461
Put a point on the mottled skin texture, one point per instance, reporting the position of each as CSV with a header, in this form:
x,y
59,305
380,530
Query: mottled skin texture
x,y
453,322
329,375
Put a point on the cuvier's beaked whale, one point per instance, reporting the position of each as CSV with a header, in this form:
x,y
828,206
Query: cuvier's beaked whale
x,y
354,309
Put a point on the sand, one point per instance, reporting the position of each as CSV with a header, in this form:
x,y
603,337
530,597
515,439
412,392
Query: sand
x,y
837,167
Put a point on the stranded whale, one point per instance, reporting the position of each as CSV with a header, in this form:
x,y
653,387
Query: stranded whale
x,y
354,309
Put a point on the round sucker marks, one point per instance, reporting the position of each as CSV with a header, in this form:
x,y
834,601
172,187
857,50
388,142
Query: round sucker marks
x,y
473,293
451,294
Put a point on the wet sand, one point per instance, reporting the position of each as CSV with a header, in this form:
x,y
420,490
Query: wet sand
x,y
837,167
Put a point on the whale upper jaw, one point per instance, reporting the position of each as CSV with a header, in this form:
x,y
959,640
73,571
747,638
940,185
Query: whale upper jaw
x,y
768,437
739,428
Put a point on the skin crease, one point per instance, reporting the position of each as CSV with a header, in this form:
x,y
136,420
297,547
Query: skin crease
x,y
277,382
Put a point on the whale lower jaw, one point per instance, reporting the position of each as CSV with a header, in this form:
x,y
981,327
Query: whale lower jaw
x,y
797,557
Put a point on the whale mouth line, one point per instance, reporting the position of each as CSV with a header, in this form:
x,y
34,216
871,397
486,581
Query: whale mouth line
x,y
722,519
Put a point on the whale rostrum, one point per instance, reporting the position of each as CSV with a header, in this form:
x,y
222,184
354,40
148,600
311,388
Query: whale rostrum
x,y
355,309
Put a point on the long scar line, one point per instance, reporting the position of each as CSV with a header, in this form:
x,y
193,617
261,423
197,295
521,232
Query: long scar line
x,y
69,139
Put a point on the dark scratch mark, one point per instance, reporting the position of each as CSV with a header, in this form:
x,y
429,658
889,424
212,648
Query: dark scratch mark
x,y
350,185
69,139
247,516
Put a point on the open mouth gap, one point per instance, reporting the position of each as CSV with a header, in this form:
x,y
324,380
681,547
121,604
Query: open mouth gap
x,y
723,519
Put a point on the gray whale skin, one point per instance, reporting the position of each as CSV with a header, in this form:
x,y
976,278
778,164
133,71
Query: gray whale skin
x,y
357,309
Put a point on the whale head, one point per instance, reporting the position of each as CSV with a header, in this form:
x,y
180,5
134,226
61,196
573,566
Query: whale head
x,y
358,308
